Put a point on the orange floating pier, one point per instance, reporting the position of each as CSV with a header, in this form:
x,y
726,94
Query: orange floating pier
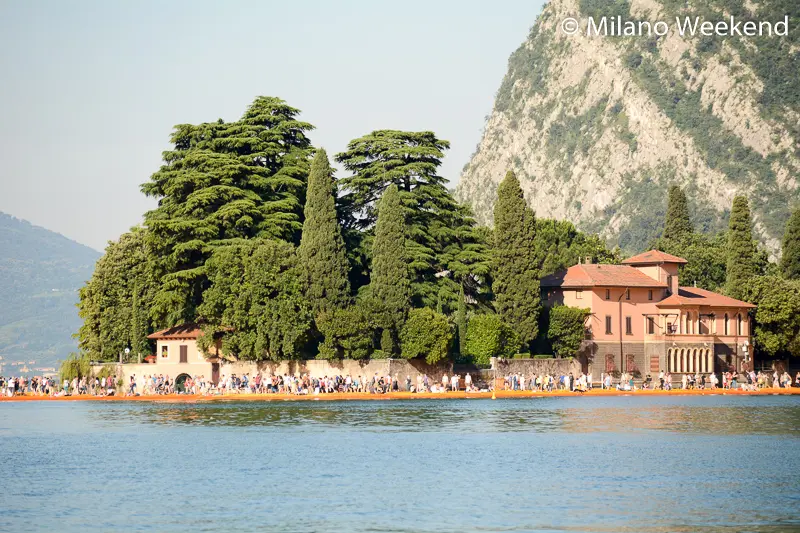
x,y
501,394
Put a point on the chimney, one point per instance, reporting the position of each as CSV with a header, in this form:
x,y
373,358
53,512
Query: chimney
x,y
588,259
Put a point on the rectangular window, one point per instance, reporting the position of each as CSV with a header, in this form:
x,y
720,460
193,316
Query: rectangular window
x,y
608,324
627,294
579,295
608,294
184,352
650,295
610,366
669,284
164,351
628,326
651,325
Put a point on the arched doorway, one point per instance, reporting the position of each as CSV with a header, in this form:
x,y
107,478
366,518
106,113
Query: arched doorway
x,y
180,383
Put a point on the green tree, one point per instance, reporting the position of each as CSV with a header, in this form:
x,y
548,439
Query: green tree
x,y
677,223
706,256
741,265
223,182
461,323
560,245
426,334
488,336
442,247
322,253
567,329
516,278
790,258
349,333
255,302
75,366
390,285
777,317
115,303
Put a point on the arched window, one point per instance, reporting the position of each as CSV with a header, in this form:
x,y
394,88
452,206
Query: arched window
x,y
739,324
726,325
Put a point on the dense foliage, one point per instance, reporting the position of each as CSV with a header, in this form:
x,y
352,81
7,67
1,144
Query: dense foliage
x,y
222,182
741,265
390,285
516,276
677,224
790,259
441,235
777,331
322,254
567,329
114,304
426,334
488,336
255,302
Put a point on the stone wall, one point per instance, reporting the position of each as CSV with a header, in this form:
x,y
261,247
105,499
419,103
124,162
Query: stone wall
x,y
314,367
555,367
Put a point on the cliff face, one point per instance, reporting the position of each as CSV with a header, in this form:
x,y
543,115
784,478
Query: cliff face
x,y
598,127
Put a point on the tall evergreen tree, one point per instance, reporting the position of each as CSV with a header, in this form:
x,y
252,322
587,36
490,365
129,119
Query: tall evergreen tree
x,y
741,266
461,323
322,254
677,224
115,303
790,258
441,233
223,182
390,286
516,277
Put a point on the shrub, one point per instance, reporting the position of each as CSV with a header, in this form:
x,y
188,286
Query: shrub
x,y
427,334
488,336
566,331
348,333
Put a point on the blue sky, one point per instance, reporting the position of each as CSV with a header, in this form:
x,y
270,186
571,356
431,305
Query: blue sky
x,y
91,89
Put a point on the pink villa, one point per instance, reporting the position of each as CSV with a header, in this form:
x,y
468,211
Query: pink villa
x,y
643,321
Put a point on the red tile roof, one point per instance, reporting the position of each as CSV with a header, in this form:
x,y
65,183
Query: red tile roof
x,y
601,276
693,296
183,331
653,257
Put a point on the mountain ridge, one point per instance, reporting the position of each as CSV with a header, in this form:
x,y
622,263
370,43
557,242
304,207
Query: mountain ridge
x,y
597,128
41,272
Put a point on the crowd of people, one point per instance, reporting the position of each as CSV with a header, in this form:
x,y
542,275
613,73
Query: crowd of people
x,y
257,383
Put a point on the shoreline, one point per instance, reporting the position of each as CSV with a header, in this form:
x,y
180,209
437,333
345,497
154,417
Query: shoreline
x,y
358,396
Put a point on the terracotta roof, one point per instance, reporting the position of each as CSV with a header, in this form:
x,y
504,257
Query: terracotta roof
x,y
653,257
601,276
183,331
692,296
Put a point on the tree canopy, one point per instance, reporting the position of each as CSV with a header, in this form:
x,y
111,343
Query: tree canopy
x,y
678,223
516,276
222,182
741,264
790,258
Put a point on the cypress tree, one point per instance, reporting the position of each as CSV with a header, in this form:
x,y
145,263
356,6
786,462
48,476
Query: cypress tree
x,y
677,223
516,277
390,284
790,258
741,249
461,322
322,254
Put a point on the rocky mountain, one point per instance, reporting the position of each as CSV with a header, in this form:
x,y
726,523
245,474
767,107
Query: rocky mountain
x,y
40,274
597,126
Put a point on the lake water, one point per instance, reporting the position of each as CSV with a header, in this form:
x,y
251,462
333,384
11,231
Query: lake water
x,y
630,464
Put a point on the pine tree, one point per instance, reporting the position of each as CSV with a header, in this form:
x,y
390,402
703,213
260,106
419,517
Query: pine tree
x,y
790,258
223,182
677,221
390,285
516,278
441,234
321,252
741,265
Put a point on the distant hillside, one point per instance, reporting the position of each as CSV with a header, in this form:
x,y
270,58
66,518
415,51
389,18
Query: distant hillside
x,y
598,128
40,274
